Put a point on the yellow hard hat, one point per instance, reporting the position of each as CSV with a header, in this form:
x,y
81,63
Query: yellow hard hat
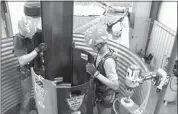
x,y
117,30
27,26
96,35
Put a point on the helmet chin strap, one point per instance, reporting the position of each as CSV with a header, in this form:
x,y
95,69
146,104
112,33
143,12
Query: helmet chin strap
x,y
29,37
99,48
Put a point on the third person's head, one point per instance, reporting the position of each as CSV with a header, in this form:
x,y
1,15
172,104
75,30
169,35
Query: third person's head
x,y
97,38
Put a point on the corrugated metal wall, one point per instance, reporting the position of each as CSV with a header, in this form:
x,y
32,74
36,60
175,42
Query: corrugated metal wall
x,y
78,21
10,82
161,44
124,60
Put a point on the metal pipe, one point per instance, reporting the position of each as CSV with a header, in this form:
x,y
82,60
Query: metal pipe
x,y
170,66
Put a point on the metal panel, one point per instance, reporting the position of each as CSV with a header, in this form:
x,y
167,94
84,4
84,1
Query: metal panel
x,y
161,43
57,23
10,82
124,58
78,21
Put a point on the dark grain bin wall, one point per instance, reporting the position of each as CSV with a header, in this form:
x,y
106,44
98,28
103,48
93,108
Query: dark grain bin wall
x,y
10,82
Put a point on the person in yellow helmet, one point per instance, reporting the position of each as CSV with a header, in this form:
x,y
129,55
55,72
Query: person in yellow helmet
x,y
115,29
103,70
26,53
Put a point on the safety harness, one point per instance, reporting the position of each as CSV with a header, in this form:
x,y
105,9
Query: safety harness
x,y
103,94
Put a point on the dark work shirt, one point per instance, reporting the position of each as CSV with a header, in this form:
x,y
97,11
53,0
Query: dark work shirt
x,y
24,46
37,39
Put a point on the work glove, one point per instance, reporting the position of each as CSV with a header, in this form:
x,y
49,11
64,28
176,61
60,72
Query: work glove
x,y
41,48
90,68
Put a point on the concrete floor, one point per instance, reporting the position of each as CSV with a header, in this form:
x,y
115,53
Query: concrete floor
x,y
170,108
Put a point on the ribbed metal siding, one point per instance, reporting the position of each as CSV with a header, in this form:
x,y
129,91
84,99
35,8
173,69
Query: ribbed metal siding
x,y
125,59
161,43
10,82
78,21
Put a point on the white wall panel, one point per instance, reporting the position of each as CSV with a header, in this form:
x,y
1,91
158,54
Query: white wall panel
x,y
161,43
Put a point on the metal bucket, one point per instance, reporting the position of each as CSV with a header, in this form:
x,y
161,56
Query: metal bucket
x,y
62,98
45,94
75,100
125,58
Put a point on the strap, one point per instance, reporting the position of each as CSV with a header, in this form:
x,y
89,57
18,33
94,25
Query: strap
x,y
108,55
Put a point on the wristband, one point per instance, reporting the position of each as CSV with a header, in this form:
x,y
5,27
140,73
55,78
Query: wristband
x,y
37,50
96,74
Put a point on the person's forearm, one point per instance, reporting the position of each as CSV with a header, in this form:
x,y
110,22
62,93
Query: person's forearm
x,y
25,59
111,84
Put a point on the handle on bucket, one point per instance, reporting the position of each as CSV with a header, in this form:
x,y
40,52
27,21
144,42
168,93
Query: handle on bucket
x,y
90,60
75,93
80,89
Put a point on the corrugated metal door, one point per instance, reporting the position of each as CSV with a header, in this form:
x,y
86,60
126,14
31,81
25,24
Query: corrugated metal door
x,y
10,82
161,43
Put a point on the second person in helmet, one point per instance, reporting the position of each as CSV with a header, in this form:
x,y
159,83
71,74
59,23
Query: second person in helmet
x,y
103,70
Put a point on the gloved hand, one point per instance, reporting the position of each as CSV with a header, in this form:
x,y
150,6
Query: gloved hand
x,y
90,68
41,48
